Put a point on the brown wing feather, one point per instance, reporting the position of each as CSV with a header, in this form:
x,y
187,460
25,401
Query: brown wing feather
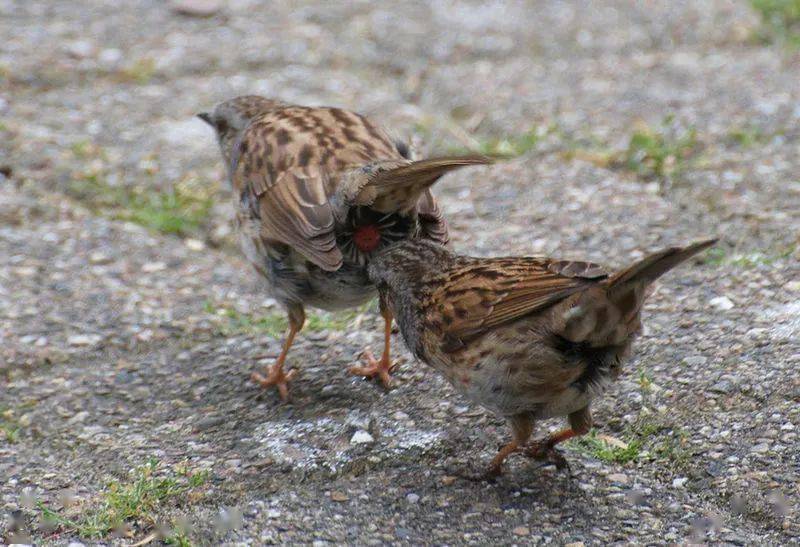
x,y
482,295
287,164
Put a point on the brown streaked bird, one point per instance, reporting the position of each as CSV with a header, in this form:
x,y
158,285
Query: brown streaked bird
x,y
526,337
318,191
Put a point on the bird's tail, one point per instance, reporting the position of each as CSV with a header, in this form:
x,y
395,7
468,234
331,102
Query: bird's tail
x,y
609,314
655,265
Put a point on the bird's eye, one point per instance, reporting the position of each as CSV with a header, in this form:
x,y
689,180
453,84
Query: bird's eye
x,y
222,126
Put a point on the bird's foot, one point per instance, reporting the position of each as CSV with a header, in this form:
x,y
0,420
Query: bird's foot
x,y
544,450
277,377
380,368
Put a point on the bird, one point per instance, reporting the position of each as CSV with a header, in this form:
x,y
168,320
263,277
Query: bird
x,y
317,192
528,338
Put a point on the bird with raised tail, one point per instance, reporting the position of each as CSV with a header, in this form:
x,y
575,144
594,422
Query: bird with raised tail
x,y
526,337
318,192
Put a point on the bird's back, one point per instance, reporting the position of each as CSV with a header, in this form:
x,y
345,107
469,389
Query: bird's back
x,y
286,140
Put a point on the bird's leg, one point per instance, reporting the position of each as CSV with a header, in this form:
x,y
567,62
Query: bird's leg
x,y
275,375
384,367
521,428
580,423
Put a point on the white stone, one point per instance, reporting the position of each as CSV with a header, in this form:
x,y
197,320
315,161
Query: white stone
x,y
680,482
721,303
412,498
361,437
151,267
110,56
195,244
83,339
695,360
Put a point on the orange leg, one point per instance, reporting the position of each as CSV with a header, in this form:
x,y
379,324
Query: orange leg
x,y
275,375
521,428
580,422
381,368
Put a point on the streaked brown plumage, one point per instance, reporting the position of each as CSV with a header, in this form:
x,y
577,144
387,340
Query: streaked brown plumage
x,y
318,191
529,338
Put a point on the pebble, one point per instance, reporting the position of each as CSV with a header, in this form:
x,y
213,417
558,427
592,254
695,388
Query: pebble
x,y
412,498
151,267
197,8
80,49
695,360
679,482
84,339
760,448
723,386
618,477
521,531
722,303
362,437
110,56
339,496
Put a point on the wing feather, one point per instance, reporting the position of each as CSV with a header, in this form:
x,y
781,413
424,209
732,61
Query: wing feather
x,y
481,295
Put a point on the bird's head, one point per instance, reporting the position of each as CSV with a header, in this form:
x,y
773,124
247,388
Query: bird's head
x,y
229,118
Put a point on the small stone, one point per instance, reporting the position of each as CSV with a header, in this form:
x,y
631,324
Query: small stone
x,y
680,482
575,544
448,480
361,437
618,477
196,8
723,386
721,303
412,498
760,448
339,496
110,56
75,544
521,531
195,244
80,49
97,257
695,360
83,339
151,267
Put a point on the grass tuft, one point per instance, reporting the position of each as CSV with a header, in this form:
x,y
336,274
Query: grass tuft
x,y
274,324
180,210
659,153
129,505
10,426
140,71
759,259
602,449
780,21
645,439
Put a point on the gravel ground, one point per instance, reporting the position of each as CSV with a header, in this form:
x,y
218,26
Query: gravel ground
x,y
124,337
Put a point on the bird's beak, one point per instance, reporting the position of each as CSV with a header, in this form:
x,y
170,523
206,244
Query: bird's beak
x,y
206,117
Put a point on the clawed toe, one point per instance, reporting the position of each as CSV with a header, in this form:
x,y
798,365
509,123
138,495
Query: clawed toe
x,y
381,368
545,451
277,377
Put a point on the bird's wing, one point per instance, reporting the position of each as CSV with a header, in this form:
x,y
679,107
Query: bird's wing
x,y
287,165
399,185
481,295
284,192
